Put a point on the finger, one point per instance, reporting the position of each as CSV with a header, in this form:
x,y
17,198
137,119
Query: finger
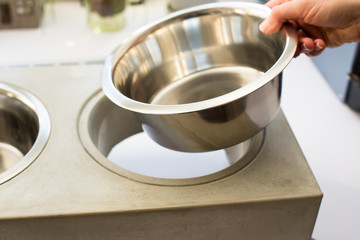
x,y
319,47
311,47
279,15
306,44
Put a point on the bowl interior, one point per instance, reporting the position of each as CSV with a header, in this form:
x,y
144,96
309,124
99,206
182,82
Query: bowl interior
x,y
19,128
197,56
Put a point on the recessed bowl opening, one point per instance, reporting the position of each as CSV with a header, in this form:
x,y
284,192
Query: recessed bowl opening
x,y
114,137
24,130
19,127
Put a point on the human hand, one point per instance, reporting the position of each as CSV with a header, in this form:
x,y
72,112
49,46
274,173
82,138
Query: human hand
x,y
320,23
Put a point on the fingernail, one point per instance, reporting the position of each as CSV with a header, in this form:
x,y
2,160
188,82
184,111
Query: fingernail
x,y
264,26
318,47
305,49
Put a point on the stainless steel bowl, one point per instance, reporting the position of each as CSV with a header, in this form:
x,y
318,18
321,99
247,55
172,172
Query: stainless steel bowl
x,y
24,130
201,79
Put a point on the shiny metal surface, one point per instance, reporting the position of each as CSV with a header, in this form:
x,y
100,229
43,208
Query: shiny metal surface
x,y
201,79
24,130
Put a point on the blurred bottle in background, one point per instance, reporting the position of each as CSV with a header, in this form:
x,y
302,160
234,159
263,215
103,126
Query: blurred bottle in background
x,y
175,5
106,15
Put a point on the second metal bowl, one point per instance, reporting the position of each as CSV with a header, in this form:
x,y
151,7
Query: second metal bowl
x,y
204,78
24,130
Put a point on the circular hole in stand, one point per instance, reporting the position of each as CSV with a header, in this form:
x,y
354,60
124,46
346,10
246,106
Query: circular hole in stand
x,y
24,130
115,139
138,153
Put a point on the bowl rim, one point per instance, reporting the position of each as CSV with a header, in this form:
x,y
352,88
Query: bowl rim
x,y
147,108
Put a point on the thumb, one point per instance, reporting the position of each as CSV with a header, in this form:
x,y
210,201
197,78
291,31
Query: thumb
x,y
279,15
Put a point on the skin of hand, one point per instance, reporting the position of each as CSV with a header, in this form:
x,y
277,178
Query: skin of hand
x,y
320,23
